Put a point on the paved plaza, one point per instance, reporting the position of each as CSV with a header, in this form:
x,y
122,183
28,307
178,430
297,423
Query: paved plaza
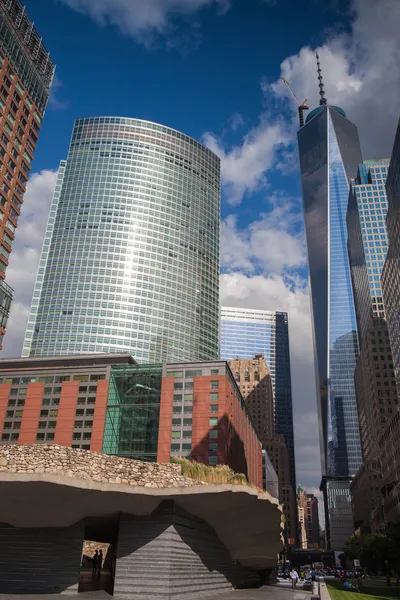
x,y
280,591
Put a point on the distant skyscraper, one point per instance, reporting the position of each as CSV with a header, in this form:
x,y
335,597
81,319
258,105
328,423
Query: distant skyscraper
x,y
367,244
254,381
131,254
26,73
307,506
247,332
330,153
391,272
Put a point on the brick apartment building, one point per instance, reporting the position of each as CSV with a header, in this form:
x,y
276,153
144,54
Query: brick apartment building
x,y
26,73
110,404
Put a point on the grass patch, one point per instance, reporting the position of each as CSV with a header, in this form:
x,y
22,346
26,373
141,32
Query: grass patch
x,y
337,592
218,474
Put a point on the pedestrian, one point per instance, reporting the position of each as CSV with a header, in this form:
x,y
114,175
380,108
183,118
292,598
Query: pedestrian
x,y
314,575
301,574
294,577
95,561
100,561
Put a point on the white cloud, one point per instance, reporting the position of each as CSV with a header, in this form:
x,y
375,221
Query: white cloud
x,y
268,244
244,167
272,293
142,19
21,273
361,71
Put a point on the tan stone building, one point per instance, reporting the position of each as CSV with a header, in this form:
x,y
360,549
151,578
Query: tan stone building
x,y
254,380
307,507
279,456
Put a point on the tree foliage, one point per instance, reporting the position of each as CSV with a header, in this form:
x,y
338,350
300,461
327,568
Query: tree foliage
x,y
376,551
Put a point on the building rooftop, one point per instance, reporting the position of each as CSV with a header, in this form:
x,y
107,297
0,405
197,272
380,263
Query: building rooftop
x,y
317,110
15,13
79,360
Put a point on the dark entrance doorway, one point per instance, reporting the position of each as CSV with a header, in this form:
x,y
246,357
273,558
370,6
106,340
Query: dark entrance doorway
x,y
101,533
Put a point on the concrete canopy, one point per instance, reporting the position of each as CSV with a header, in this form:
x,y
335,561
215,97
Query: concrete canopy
x,y
247,522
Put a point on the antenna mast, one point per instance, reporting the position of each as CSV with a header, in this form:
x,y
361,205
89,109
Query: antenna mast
x,y
322,101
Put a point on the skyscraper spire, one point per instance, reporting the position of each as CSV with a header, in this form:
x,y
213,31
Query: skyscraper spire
x,y
322,101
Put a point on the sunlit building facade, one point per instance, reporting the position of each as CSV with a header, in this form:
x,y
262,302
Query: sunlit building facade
x,y
26,73
330,153
246,333
130,261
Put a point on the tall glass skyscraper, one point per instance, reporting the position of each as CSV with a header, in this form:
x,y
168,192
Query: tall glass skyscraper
x,y
130,260
330,153
375,382
246,332
368,239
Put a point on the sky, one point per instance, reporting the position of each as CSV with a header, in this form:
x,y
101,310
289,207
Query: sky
x,y
211,69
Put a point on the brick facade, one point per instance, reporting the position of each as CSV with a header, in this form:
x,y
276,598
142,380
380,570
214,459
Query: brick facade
x,y
199,412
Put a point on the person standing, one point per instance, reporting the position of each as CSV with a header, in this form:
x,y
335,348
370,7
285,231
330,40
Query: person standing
x,y
95,561
100,561
294,577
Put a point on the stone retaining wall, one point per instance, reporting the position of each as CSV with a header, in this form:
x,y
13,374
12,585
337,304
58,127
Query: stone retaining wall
x,y
92,466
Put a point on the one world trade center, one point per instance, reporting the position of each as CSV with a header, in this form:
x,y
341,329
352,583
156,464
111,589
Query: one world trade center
x,y
330,152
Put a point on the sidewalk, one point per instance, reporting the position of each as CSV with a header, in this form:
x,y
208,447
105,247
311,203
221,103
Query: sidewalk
x,y
280,591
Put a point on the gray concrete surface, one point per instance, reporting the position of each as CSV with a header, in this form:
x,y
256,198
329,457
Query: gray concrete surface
x,y
34,500
281,591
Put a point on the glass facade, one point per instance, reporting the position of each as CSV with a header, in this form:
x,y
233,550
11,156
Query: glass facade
x,y
246,332
368,238
337,500
130,260
133,412
329,156
330,153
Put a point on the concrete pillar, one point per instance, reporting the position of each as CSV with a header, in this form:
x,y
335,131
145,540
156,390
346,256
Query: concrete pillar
x,y
170,554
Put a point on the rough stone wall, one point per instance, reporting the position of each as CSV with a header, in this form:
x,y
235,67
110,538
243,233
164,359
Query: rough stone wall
x,y
82,464
170,555
40,561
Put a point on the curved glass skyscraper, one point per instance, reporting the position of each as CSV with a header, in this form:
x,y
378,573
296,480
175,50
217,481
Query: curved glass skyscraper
x,y
130,260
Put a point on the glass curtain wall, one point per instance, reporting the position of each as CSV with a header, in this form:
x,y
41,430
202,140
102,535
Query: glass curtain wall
x,y
133,412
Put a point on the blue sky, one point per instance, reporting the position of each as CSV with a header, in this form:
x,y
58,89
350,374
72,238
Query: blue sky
x,y
211,69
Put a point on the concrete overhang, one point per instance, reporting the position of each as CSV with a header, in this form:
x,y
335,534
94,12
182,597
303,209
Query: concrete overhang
x,y
247,522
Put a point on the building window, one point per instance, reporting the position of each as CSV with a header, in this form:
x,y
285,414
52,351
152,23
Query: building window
x,y
176,434
213,460
214,371
213,421
214,385
213,434
214,408
178,374
198,373
213,447
214,396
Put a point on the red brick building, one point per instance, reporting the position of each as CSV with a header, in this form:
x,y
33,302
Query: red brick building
x,y
26,73
107,403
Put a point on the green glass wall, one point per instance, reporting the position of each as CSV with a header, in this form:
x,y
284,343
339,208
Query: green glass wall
x,y
133,411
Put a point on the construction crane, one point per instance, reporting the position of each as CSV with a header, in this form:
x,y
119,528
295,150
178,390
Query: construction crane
x,y
302,106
